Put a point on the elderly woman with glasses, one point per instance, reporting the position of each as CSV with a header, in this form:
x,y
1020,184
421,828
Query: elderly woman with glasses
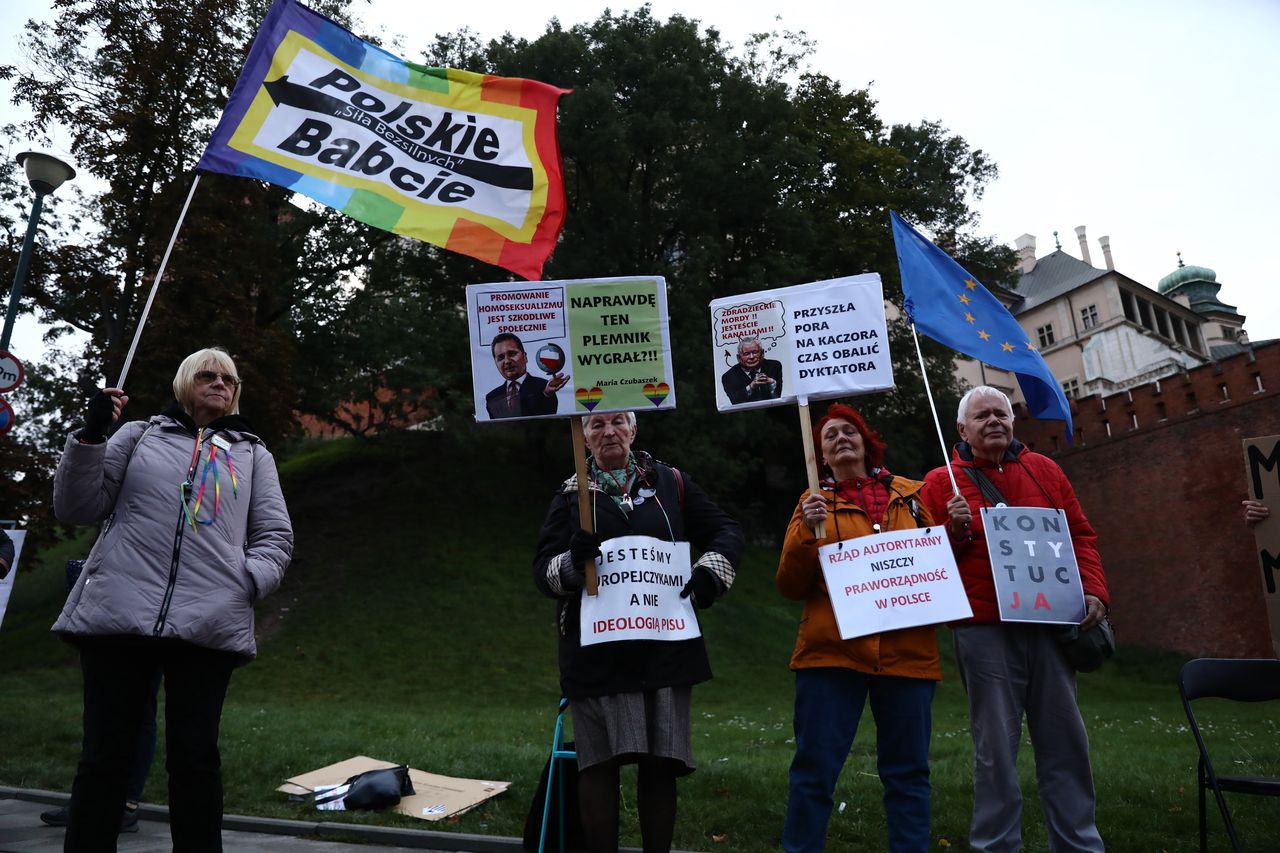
x,y
630,699
195,530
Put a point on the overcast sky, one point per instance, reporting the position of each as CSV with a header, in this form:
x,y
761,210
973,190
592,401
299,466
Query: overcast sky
x,y
1153,123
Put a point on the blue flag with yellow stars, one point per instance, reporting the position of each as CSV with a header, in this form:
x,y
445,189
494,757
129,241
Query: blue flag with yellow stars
x,y
950,306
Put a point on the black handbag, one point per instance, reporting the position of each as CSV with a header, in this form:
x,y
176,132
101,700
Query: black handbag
x,y
1086,650
372,789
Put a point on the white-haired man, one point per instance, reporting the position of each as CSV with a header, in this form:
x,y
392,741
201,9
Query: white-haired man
x,y
1012,669
754,377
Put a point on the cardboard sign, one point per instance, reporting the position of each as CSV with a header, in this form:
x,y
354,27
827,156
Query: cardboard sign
x,y
899,579
815,341
436,797
1034,565
570,347
639,579
1262,473
6,584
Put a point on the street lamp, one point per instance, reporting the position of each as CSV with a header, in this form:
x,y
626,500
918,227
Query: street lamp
x,y
45,173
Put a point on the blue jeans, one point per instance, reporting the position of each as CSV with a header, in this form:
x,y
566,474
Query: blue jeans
x,y
829,703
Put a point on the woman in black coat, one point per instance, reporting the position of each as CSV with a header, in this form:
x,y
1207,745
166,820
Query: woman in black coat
x,y
630,699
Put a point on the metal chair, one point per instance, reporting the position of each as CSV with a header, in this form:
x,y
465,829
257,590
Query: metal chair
x,y
558,754
1241,681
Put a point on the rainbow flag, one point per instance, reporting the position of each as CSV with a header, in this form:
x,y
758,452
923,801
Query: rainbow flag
x,y
469,162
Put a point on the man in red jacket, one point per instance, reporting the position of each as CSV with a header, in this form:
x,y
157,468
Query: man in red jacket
x,y
1011,669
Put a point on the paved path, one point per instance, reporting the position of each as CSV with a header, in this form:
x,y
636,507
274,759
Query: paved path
x,y
22,832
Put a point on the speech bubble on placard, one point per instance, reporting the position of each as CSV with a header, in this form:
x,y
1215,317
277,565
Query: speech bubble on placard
x,y
762,320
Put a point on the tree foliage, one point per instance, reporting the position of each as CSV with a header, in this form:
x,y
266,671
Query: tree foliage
x,y
723,170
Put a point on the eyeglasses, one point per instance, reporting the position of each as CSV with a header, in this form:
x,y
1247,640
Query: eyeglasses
x,y
206,377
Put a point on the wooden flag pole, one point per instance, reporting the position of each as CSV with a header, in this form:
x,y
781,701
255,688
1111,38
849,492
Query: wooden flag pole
x,y
810,457
584,496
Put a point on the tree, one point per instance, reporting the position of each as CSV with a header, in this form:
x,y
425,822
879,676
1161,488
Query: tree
x,y
138,86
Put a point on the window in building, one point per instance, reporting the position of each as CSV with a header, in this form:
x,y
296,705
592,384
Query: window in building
x,y
1192,407
1162,322
1107,426
1257,380
1179,334
1045,334
1133,420
1089,316
1222,389
1080,436
1161,413
1158,389
1071,388
1193,338
1054,438
1126,300
1228,333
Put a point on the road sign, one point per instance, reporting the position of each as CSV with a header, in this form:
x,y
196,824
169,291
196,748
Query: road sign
x,y
6,416
10,372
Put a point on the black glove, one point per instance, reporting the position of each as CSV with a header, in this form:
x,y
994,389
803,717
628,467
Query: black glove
x,y
584,546
703,586
97,417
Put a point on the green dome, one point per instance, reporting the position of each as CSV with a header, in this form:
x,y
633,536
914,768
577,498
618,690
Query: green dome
x,y
1185,275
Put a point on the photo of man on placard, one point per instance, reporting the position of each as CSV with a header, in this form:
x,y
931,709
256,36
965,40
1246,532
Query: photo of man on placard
x,y
754,377
520,395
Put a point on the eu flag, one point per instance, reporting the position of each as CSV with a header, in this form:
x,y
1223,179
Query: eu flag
x,y
950,306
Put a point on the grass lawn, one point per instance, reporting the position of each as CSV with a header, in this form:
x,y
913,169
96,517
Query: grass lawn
x,y
408,629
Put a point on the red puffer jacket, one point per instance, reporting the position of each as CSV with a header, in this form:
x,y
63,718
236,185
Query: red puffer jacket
x,y
1024,478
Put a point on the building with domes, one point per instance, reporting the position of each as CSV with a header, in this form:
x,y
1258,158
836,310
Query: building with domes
x,y
1197,288
1101,332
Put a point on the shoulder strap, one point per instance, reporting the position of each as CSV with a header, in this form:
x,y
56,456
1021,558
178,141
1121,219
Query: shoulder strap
x,y
989,491
679,484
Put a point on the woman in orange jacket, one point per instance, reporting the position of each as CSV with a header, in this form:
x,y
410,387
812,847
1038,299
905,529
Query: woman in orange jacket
x,y
897,670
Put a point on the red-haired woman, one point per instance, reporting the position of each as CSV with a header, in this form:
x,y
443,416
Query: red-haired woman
x,y
897,670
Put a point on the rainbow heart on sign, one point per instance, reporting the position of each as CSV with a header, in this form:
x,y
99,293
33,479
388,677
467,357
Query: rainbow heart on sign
x,y
588,399
657,393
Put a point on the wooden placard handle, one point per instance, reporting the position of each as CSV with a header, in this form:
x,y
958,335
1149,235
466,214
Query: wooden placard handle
x,y
810,459
584,496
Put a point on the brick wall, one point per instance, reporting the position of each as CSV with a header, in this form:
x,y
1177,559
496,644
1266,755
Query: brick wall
x,y
1165,499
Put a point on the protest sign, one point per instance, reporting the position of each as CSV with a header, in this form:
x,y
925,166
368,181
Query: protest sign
x,y
6,583
639,581
815,341
1034,565
602,345
1262,473
898,579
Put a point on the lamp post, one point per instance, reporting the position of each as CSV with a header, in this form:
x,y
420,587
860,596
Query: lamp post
x,y
45,173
